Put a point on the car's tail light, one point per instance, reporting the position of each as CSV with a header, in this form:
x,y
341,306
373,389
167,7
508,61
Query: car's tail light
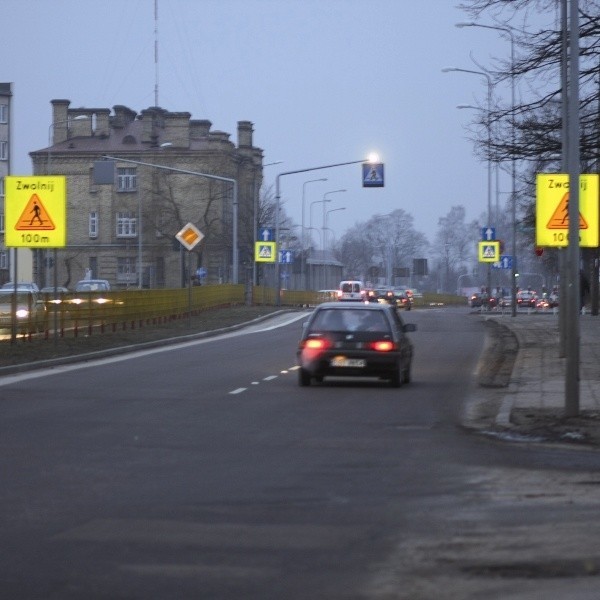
x,y
382,345
316,344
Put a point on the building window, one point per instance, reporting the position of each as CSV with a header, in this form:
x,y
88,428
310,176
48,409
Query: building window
x,y
126,269
1,222
93,269
126,179
3,113
1,187
3,150
93,224
3,260
126,225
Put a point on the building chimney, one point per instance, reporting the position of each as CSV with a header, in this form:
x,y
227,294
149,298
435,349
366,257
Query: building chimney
x,y
60,121
245,134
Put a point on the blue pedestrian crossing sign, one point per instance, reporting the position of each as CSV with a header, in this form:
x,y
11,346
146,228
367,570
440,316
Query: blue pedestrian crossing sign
x,y
264,252
489,252
372,174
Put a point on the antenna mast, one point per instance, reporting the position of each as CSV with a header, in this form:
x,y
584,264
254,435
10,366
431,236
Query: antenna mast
x,y
155,52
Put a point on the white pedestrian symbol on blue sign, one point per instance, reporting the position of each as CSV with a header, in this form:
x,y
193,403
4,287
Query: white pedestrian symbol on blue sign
x,y
372,175
265,251
489,252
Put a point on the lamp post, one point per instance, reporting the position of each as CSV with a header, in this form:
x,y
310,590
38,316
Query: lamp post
x,y
326,228
278,204
302,260
489,144
324,223
54,251
322,236
514,269
320,241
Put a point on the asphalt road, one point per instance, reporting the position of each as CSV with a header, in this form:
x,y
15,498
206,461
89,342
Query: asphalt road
x,y
204,471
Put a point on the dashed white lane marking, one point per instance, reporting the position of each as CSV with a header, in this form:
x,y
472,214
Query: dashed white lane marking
x,y
267,378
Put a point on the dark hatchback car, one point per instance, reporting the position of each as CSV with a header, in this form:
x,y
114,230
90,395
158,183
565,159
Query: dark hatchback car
x,y
355,340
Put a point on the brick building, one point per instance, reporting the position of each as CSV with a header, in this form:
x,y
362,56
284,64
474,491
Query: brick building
x,y
125,232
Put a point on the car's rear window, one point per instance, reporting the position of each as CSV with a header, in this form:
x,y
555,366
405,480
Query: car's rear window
x,y
350,320
349,287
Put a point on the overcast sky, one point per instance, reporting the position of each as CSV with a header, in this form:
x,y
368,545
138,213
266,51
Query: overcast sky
x,y
323,81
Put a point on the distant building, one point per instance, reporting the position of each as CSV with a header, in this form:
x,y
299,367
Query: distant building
x,y
113,230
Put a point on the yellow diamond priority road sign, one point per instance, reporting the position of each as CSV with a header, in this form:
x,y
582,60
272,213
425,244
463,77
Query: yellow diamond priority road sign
x,y
35,212
189,236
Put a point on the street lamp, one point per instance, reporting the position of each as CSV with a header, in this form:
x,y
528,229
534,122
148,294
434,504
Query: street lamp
x,y
278,204
489,144
514,270
324,223
208,176
302,281
326,228
54,250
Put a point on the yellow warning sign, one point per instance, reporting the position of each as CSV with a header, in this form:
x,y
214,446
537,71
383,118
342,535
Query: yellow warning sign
x,y
35,212
552,210
264,252
489,251
34,217
560,218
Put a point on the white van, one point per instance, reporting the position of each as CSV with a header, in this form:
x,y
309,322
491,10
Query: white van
x,y
352,291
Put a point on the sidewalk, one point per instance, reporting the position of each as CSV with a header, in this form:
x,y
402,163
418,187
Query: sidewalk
x,y
534,400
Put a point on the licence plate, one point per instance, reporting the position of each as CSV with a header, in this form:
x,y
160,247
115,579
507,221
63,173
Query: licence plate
x,y
343,361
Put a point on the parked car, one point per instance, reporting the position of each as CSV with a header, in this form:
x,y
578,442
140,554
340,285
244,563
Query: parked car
x,y
29,314
355,340
49,289
92,285
327,295
21,285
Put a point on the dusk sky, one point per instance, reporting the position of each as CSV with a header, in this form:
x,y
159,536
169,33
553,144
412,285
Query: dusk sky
x,y
323,81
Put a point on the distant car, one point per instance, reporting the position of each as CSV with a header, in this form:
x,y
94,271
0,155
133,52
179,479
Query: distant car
x,y
355,340
30,312
352,291
403,299
92,285
482,300
21,285
385,295
527,299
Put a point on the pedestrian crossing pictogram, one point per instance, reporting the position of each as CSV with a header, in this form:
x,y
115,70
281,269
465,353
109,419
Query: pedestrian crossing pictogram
x,y
560,217
34,217
265,252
